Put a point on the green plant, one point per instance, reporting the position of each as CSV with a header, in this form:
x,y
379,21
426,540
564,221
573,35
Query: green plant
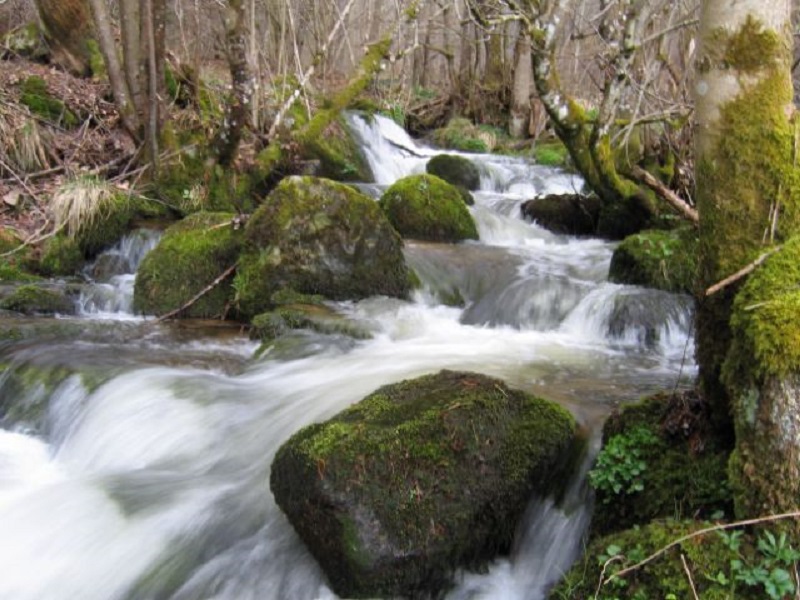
x,y
620,465
769,566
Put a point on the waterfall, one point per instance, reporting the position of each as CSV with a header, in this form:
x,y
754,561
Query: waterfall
x,y
138,468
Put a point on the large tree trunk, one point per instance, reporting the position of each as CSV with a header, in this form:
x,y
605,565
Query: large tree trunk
x,y
523,86
748,197
68,28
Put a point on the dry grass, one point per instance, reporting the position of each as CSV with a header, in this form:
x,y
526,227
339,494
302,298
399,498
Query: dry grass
x,y
23,142
78,203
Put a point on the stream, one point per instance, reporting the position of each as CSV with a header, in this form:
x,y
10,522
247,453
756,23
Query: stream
x,y
135,463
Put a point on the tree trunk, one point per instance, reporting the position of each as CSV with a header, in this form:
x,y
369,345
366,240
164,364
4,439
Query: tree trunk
x,y
237,113
68,27
748,197
523,84
119,86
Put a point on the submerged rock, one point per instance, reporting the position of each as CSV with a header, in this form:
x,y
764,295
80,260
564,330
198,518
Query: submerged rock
x,y
455,170
568,214
424,207
316,236
419,478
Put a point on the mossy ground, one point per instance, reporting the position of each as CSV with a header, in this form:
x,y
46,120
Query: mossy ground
x,y
435,470
665,260
190,256
36,96
425,207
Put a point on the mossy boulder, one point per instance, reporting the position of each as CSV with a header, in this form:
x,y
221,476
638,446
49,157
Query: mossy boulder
x,y
339,156
626,216
568,214
419,478
30,299
456,170
317,236
190,256
314,317
665,260
61,256
661,457
706,557
424,207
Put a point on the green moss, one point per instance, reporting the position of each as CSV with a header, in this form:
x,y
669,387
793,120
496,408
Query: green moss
x,y
61,255
706,557
339,156
97,63
33,299
551,154
665,260
684,465
436,470
36,96
316,236
425,207
191,255
751,48
315,317
460,134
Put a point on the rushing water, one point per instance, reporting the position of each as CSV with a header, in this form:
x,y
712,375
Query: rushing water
x,y
137,463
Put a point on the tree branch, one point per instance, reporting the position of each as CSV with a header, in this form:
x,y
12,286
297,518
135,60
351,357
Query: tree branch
x,y
666,194
742,272
199,294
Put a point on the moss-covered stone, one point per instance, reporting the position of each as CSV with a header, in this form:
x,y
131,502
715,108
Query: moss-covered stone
x,y
684,463
420,477
315,317
316,236
707,558
32,299
627,215
190,256
665,260
456,170
339,156
36,96
25,41
424,207
569,214
61,255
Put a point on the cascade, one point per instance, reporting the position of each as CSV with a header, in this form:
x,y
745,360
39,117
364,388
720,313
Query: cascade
x,y
140,468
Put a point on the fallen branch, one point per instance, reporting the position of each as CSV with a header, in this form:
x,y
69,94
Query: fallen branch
x,y
666,194
700,533
199,294
742,272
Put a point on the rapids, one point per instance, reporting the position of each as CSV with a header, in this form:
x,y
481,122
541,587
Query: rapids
x,y
138,465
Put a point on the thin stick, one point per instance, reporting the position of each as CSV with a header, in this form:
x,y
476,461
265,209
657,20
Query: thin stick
x,y
742,272
700,533
200,294
20,180
689,577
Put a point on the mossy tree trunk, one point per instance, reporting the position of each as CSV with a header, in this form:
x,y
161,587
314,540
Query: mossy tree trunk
x,y
69,31
748,194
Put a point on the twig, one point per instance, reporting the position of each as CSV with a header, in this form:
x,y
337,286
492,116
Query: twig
x,y
667,194
34,239
700,533
19,179
689,577
200,294
742,272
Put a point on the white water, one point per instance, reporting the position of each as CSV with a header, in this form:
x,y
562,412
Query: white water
x,y
153,482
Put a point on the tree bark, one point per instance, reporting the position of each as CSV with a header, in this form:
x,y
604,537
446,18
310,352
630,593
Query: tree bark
x,y
523,86
748,199
68,27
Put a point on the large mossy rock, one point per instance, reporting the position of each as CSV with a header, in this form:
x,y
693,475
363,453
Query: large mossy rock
x,y
665,260
191,255
31,299
568,214
424,207
316,236
456,170
419,478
